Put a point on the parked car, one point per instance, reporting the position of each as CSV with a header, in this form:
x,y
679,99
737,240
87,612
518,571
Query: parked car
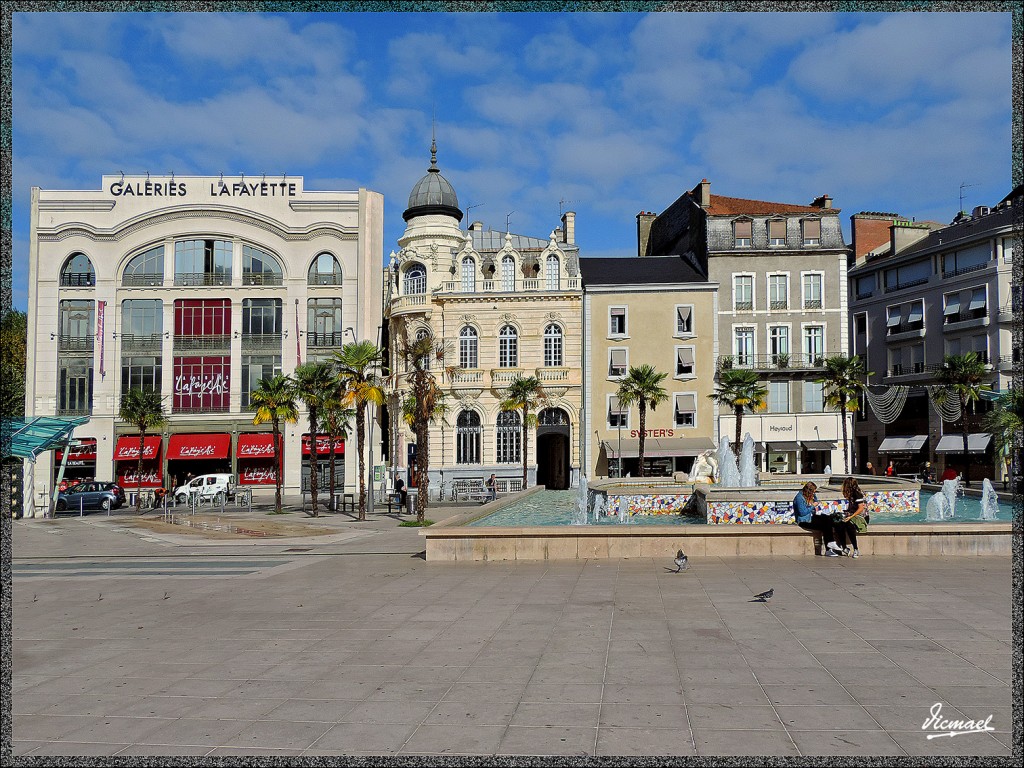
x,y
91,495
218,487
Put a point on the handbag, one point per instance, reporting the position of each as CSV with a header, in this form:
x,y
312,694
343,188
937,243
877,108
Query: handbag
x,y
860,522
837,516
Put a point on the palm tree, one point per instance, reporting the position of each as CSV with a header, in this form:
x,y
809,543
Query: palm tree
x,y
961,378
1006,422
423,403
335,416
642,385
357,363
842,385
274,401
144,408
312,386
524,394
739,388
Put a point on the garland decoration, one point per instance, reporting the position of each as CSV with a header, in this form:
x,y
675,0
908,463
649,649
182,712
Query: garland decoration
x,y
888,405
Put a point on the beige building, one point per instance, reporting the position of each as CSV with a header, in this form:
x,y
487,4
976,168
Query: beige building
x,y
920,291
782,309
197,287
658,311
505,306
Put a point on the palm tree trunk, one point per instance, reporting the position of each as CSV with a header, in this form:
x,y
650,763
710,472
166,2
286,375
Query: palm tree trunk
x,y
422,459
360,438
138,470
967,455
739,426
524,447
312,460
277,464
842,415
643,433
332,504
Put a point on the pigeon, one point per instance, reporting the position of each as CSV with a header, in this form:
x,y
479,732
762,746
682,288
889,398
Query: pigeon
x,y
680,561
764,597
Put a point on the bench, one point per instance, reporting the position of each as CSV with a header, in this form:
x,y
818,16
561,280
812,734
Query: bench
x,y
470,489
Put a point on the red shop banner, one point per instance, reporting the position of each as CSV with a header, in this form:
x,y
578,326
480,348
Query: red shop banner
x,y
129,476
127,448
257,474
258,446
202,383
216,445
81,453
323,445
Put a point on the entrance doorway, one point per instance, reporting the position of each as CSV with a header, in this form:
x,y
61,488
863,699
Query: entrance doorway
x,y
553,433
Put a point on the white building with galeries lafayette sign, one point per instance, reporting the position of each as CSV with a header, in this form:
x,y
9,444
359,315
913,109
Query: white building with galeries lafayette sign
x,y
198,287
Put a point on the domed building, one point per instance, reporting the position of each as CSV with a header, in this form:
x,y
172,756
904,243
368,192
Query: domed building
x,y
503,306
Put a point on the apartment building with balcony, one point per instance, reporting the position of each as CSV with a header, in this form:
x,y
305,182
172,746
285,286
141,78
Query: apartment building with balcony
x,y
197,287
782,309
504,306
920,291
657,311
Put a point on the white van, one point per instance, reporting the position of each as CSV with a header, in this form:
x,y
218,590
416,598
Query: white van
x,y
208,487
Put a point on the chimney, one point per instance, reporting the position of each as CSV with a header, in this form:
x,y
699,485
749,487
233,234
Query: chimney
x,y
825,201
569,227
904,234
644,220
476,226
704,190
870,230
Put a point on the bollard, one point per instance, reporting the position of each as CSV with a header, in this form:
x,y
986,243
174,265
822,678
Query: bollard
x,y
223,501
81,507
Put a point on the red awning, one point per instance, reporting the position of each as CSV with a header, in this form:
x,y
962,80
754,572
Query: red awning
x,y
199,446
84,450
323,445
257,446
127,448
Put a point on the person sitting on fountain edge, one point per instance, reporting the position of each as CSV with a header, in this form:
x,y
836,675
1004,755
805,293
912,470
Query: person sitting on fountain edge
x,y
855,520
808,518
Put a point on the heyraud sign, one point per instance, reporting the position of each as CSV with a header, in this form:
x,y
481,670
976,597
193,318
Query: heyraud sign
x,y
205,188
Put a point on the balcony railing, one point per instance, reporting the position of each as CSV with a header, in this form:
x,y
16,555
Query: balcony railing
x,y
75,343
196,279
139,342
895,330
744,306
965,270
261,278
779,305
963,317
185,343
142,281
468,377
499,286
335,339
71,412
546,375
908,284
770,362
1007,312
1005,362
814,303
270,341
505,375
78,280
332,278
416,302
187,409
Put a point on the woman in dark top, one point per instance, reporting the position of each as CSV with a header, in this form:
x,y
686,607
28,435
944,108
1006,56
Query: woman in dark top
x,y
855,520
807,517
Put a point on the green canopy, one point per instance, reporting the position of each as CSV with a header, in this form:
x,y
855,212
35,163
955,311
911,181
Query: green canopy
x,y
31,437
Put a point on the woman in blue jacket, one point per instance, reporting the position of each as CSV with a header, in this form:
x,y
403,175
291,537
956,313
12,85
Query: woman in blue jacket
x,y
808,518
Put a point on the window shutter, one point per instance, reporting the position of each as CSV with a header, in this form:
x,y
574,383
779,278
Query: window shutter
x,y
777,230
743,228
685,356
812,229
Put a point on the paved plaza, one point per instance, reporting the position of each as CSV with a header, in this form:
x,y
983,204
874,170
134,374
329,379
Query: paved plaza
x,y
140,642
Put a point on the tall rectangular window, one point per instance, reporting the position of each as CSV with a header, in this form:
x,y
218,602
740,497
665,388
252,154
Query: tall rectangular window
x,y
142,317
812,290
778,291
255,368
685,414
74,385
778,397
778,344
743,345
141,372
812,231
814,343
813,400
618,362
324,323
201,384
202,317
742,231
777,232
618,414
202,262
684,361
743,292
261,317
617,321
78,320
917,358
684,319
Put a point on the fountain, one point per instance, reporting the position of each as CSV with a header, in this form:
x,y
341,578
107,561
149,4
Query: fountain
x,y
728,473
951,489
582,508
989,501
748,470
938,509
598,507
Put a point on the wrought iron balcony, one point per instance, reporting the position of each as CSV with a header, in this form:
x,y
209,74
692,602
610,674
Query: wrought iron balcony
x,y
261,278
78,280
335,339
908,284
197,279
330,278
815,303
186,343
140,342
744,306
965,270
72,412
778,362
778,304
192,409
75,343
268,341
966,316
142,281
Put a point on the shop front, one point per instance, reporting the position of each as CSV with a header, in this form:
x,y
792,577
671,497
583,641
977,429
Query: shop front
x,y
126,460
950,451
908,453
80,464
663,456
202,453
323,458
256,464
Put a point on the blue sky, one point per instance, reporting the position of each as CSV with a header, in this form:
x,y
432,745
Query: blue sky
x,y
613,113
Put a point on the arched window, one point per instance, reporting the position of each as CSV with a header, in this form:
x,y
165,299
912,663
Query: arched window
x,y
552,417
415,280
259,267
145,269
468,275
553,346
508,438
551,272
202,262
508,273
78,272
325,270
508,347
424,360
468,348
467,438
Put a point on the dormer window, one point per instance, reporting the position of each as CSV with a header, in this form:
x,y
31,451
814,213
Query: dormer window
x,y
415,280
777,232
742,233
811,232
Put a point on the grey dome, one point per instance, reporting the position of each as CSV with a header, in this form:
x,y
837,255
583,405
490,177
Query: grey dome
x,y
433,194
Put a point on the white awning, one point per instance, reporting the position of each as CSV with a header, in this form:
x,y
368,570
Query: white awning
x,y
894,318
952,305
977,442
686,403
614,407
685,356
916,312
977,299
783,446
819,445
618,358
910,444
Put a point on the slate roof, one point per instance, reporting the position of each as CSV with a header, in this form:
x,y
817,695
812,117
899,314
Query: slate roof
x,y
638,271
735,206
